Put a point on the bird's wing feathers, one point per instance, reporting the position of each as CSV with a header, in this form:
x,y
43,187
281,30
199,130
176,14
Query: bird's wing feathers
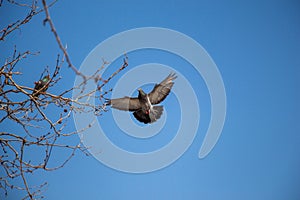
x,y
161,90
125,103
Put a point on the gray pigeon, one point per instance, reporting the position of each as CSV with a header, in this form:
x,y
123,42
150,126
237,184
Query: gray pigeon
x,y
143,106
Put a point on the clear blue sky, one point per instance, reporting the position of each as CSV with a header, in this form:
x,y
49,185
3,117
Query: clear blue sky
x,y
256,46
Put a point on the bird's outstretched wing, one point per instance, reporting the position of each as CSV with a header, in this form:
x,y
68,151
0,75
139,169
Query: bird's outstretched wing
x,y
161,90
125,103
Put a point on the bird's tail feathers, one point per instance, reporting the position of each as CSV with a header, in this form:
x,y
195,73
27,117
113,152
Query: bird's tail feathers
x,y
156,113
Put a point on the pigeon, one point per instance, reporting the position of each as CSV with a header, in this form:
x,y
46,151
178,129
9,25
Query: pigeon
x,y
144,106
41,86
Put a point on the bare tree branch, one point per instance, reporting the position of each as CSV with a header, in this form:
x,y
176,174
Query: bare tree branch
x,y
40,117
48,19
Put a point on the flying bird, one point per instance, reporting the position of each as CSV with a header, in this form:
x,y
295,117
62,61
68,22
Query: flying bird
x,y
41,86
143,106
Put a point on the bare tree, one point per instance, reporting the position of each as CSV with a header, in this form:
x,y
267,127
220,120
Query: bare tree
x,y
30,109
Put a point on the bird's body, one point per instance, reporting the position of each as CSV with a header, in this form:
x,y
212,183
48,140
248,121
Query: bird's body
x,y
143,106
41,86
